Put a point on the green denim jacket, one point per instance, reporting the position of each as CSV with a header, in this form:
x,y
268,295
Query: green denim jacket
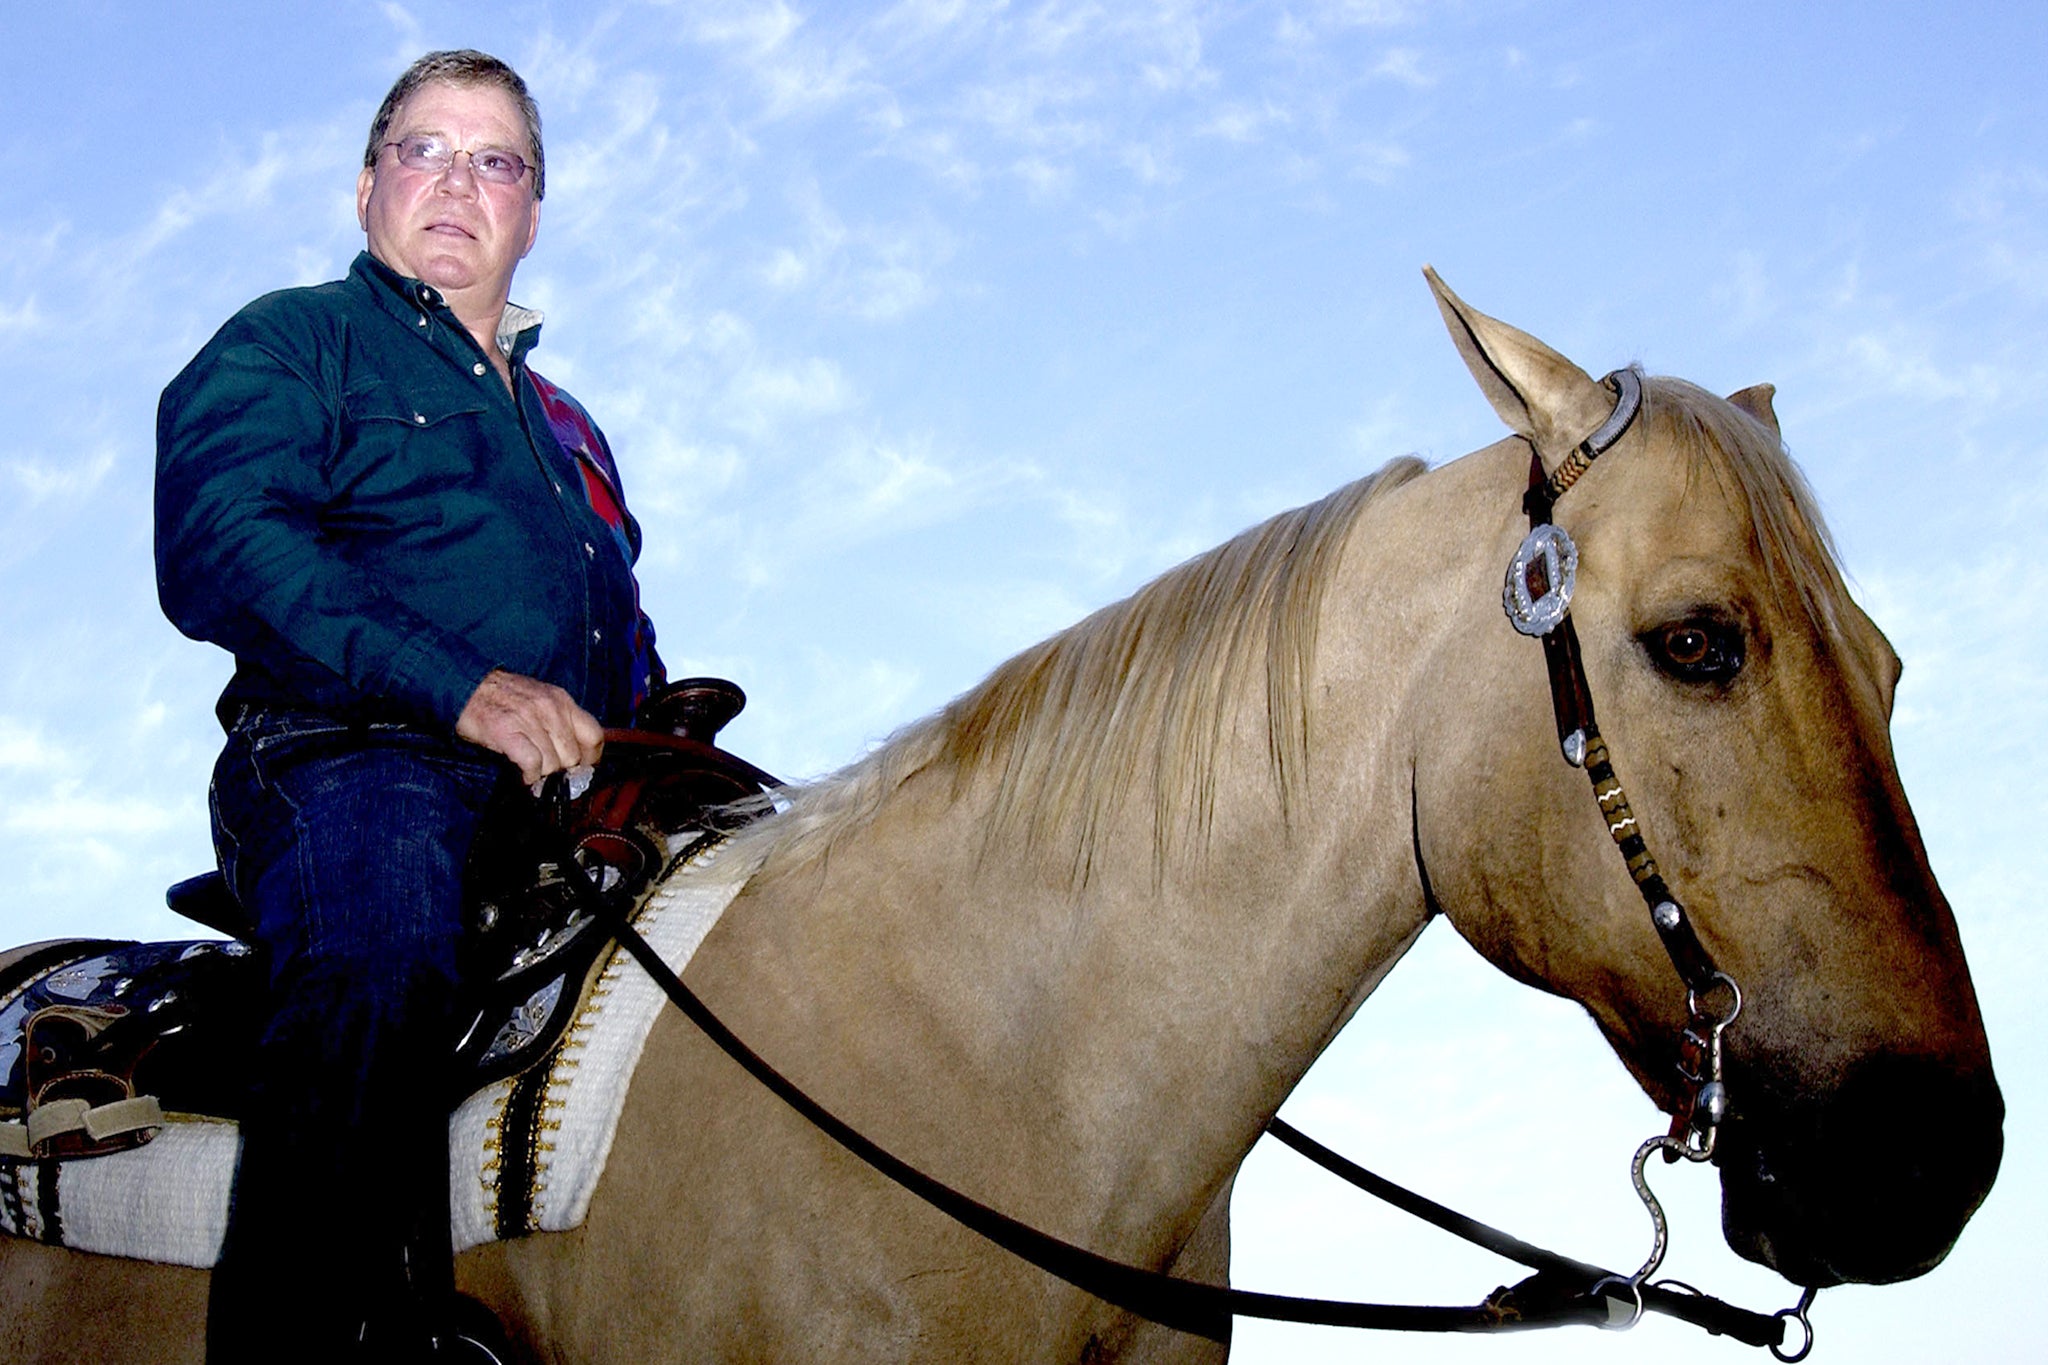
x,y
350,501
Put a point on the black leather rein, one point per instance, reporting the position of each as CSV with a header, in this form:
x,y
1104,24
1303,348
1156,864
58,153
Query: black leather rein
x,y
1561,1292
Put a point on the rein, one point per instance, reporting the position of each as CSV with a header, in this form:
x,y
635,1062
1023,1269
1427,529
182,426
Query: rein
x,y
1562,1291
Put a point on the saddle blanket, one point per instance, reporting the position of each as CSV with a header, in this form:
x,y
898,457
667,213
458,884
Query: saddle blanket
x,y
525,1154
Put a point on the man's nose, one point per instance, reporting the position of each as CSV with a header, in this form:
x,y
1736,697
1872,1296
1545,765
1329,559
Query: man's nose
x,y
460,175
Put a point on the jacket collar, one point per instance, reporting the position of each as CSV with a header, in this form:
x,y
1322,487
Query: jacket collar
x,y
405,297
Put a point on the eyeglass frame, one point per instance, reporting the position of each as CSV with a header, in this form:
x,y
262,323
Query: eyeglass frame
x,y
524,165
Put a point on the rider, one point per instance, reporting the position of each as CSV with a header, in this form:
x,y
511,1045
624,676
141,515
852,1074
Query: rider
x,y
416,549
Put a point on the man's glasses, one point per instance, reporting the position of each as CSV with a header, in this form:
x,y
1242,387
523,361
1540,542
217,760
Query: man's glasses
x,y
421,152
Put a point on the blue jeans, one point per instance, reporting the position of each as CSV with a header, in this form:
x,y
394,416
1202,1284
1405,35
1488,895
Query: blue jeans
x,y
345,844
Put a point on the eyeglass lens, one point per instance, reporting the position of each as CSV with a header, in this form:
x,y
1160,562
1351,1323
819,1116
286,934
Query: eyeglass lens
x,y
486,163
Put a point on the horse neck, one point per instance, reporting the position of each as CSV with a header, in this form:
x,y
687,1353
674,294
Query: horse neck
x,y
978,1007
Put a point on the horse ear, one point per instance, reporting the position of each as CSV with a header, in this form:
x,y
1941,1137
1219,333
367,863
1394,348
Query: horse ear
x,y
1756,401
1543,397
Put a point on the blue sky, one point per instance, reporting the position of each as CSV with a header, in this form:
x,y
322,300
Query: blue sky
x,y
922,329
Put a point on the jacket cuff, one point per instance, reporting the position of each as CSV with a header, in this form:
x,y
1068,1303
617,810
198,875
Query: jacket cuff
x,y
437,673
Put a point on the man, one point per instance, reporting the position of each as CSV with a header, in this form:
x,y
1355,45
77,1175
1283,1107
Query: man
x,y
416,550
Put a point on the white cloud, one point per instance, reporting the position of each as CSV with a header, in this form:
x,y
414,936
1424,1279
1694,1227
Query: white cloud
x,y
1243,122
890,290
887,480
1319,17
756,29
1378,162
763,396
1179,66
1037,110
22,317
2005,206
1746,294
1904,364
767,42
876,273
930,15
409,42
1044,179
1368,13
24,749
77,815
1056,24
1150,164
1404,65
42,480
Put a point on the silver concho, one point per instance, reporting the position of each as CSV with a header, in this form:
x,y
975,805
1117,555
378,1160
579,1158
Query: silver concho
x,y
1549,558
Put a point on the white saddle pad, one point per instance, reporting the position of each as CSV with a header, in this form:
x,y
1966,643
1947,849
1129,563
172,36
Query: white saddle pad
x,y
550,1130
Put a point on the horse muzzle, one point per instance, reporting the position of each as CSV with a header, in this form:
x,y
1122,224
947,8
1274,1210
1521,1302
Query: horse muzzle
x,y
1869,1181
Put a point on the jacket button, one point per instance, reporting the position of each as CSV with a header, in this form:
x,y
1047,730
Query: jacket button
x,y
420,417
597,635
589,550
477,369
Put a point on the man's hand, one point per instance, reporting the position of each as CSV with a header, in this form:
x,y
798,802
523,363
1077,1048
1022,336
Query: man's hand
x,y
535,724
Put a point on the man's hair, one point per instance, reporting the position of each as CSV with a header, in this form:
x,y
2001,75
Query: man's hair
x,y
461,66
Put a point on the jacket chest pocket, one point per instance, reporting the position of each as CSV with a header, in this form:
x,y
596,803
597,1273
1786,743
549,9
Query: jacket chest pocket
x,y
417,405
400,441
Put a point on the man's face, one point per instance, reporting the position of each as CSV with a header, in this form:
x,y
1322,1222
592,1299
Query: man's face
x,y
461,235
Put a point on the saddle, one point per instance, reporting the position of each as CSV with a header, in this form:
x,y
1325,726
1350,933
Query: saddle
x,y
98,1038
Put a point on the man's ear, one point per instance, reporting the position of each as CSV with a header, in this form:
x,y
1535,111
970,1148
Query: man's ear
x,y
366,179
532,228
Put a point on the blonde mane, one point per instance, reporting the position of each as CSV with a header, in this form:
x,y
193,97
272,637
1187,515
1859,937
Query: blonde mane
x,y
1134,698
1747,459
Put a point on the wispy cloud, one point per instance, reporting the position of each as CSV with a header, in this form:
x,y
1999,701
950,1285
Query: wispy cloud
x,y
42,479
769,44
762,397
25,749
405,26
2005,207
1404,65
1317,19
877,273
1245,122
84,818
21,317
1906,364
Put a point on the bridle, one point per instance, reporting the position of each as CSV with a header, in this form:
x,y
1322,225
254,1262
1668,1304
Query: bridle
x,y
1537,597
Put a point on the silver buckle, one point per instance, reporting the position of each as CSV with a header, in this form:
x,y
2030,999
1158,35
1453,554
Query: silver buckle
x,y
1540,580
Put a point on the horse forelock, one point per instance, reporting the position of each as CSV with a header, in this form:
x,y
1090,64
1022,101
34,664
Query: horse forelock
x,y
1748,460
1133,702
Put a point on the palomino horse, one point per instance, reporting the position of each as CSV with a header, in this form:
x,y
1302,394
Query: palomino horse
x,y
1069,943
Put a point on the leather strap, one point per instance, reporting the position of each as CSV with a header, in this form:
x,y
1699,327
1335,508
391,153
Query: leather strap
x,y
1559,1293
1578,731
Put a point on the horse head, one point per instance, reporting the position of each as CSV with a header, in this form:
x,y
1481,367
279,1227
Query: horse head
x,y
1745,701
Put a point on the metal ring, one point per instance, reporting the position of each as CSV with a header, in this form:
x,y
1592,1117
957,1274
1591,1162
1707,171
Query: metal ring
x,y
1797,1315
1635,1293
1721,978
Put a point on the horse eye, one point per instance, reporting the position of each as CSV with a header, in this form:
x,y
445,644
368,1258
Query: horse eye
x,y
1686,646
1697,651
